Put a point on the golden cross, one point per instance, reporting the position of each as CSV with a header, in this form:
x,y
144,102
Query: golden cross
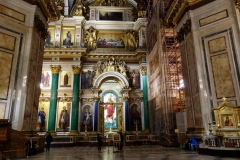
x,y
224,99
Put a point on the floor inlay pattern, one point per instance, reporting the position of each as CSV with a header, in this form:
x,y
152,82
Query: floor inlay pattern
x,y
129,153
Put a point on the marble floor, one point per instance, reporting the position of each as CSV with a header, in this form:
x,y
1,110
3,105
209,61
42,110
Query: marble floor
x,y
129,153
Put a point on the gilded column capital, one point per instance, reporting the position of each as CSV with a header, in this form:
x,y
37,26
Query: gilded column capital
x,y
125,98
96,99
143,69
76,69
55,69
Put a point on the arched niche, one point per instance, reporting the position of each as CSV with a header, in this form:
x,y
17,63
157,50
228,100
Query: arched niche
x,y
111,75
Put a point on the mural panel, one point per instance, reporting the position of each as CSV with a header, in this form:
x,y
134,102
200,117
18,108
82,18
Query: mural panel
x,y
134,76
135,117
42,117
50,40
111,39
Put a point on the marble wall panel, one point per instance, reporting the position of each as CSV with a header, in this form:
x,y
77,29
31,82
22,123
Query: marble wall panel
x,y
213,18
12,13
2,109
5,73
222,76
216,45
7,41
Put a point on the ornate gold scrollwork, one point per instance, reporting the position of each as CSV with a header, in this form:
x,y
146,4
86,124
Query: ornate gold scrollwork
x,y
78,9
143,69
55,69
125,98
132,40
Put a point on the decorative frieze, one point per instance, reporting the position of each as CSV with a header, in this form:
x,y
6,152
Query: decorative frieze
x,y
136,99
184,30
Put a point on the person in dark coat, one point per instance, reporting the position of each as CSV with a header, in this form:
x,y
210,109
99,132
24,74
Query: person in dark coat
x,y
49,140
99,139
31,147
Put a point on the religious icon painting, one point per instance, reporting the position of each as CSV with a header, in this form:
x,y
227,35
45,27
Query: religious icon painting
x,y
135,116
50,39
87,79
63,119
68,36
42,116
46,79
66,79
134,76
87,118
228,120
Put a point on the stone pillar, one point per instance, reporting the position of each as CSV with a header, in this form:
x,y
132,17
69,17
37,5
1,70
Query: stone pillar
x,y
145,97
75,101
191,79
96,98
53,98
125,98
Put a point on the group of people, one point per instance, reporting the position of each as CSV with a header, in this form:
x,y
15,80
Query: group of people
x,y
31,145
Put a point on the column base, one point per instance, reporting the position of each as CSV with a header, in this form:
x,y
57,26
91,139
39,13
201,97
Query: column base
x,y
73,133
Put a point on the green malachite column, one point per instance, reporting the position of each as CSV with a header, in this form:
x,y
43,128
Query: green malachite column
x,y
53,98
75,101
145,97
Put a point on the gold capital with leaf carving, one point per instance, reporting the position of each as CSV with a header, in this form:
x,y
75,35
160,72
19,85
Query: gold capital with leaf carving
x,y
76,69
96,99
55,69
143,69
125,98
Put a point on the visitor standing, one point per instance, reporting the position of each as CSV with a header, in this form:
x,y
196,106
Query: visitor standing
x,y
49,140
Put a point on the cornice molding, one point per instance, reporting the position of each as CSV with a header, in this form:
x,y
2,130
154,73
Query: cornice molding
x,y
67,52
177,9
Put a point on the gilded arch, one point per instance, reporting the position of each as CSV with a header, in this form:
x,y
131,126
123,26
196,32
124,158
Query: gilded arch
x,y
111,75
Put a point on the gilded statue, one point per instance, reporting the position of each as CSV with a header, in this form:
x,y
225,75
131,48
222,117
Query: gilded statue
x,y
132,40
78,9
141,9
90,38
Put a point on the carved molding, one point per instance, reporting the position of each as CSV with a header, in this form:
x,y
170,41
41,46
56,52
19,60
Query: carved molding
x,y
50,52
184,30
55,69
136,99
177,8
64,99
